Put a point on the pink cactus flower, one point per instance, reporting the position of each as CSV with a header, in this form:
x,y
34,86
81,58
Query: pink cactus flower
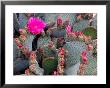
x,y
51,44
77,33
90,47
85,59
59,20
61,51
62,62
84,56
84,53
68,29
20,46
27,72
55,72
33,55
35,25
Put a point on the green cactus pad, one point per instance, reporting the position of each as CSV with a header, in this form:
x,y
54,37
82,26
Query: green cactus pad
x,y
90,31
49,64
